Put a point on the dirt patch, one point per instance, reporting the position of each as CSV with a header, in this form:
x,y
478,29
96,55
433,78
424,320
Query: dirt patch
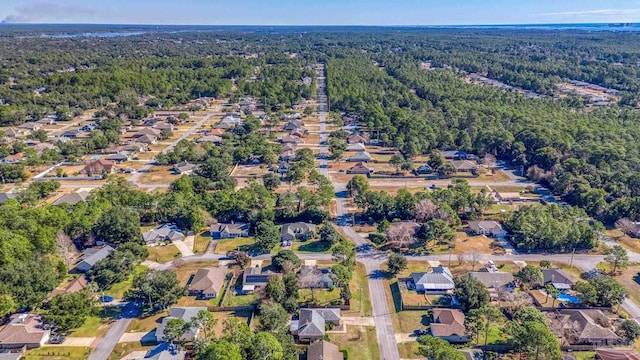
x,y
630,279
158,175
481,244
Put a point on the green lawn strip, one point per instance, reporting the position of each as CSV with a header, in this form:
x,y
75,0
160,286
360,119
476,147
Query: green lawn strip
x,y
360,343
408,350
320,297
226,245
117,290
231,297
96,325
58,353
163,254
359,285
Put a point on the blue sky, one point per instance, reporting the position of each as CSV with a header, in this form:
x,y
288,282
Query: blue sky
x,y
320,12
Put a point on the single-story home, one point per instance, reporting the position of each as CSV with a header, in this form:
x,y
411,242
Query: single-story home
x,y
288,155
288,147
617,354
119,157
298,132
448,324
454,154
184,313
297,231
24,330
290,139
283,168
254,277
165,351
324,350
79,284
506,196
557,278
361,168
184,168
72,198
146,131
227,231
293,125
164,126
207,282
97,167
424,169
487,228
164,232
355,139
356,147
465,165
361,156
582,327
147,139
313,277
438,280
311,323
493,280
92,256
210,139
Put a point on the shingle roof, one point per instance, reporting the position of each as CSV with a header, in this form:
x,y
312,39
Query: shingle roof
x,y
98,255
485,225
311,321
447,322
324,350
208,280
610,354
23,329
292,230
184,313
557,277
493,279
72,198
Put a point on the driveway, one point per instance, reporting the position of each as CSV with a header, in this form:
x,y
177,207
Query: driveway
x,y
105,345
183,246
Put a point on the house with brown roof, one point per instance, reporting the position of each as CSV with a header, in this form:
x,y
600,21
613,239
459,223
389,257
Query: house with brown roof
x,y
582,327
147,139
290,139
324,350
617,354
12,159
298,132
146,131
79,284
207,283
99,167
465,165
360,168
355,139
24,330
448,324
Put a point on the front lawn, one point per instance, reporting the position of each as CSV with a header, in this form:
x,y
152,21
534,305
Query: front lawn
x,y
117,290
226,245
320,297
359,285
408,349
97,325
360,343
310,247
146,324
163,254
185,270
127,348
58,353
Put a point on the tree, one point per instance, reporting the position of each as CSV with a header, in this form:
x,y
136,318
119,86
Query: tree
x,y
291,292
438,349
156,289
396,263
530,334
436,230
174,330
241,258
238,333
7,305
383,226
545,264
275,290
473,257
481,319
328,235
69,310
273,317
271,181
397,161
282,257
551,290
267,236
425,210
631,330
587,293
435,159
627,226
221,350
118,225
530,276
609,291
358,186
471,293
265,346
205,322
618,258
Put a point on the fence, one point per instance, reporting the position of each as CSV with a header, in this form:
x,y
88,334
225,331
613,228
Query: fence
x,y
345,307
231,308
72,178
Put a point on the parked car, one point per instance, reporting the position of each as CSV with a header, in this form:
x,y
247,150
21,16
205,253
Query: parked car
x,y
57,339
106,298
420,332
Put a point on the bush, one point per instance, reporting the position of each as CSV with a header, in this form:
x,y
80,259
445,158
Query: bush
x,y
378,239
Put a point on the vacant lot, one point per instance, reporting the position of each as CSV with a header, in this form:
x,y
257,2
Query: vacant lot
x,y
163,254
626,241
223,246
359,286
98,324
201,242
118,289
630,279
480,244
147,323
360,343
158,175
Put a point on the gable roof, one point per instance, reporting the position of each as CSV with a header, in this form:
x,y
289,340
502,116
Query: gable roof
x,y
355,138
324,350
165,351
557,277
356,147
583,324
23,329
361,168
146,131
163,232
292,230
312,274
447,322
493,279
360,156
464,165
485,225
184,313
208,280
147,139
611,354
311,321
97,255
72,198
6,196
210,138
235,228
98,166
438,278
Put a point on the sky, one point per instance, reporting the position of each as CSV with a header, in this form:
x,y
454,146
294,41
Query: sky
x,y
320,12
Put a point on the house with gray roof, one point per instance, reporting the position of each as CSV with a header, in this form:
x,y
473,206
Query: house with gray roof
x,y
487,228
297,231
228,231
311,323
356,147
438,280
557,278
254,277
164,232
493,280
72,198
166,351
184,313
92,256
360,156
582,327
312,277
184,168
6,196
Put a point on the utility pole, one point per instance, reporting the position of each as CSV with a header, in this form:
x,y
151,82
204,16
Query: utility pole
x,y
572,253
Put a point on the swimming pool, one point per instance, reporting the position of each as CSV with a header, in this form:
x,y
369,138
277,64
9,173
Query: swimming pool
x,y
571,299
96,157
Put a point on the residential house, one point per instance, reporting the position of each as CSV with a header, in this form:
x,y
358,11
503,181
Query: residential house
x,y
297,231
324,350
71,134
72,198
164,232
184,313
247,104
311,323
291,139
255,277
119,157
465,165
164,126
184,168
230,121
146,132
293,125
98,167
24,330
448,324
494,280
41,147
15,354
617,354
30,126
582,327
298,132
46,121
313,277
288,147
283,168
505,197
13,159
210,139
288,155
424,170
228,231
356,139
217,132
438,280
78,284
557,278
361,156
13,133
356,147
454,155
165,351
6,196
207,282
361,168
487,228
92,256
147,139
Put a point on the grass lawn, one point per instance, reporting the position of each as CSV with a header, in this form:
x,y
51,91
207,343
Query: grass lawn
x,y
118,289
627,242
404,321
359,342
184,271
630,279
310,247
232,298
147,323
495,335
223,315
123,349
223,246
163,254
201,242
583,355
322,297
481,244
97,325
408,350
58,353
359,285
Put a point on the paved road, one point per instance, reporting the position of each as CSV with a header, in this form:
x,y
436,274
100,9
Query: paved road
x,y
108,343
151,163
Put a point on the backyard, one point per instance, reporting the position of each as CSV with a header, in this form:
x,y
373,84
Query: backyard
x,y
117,290
360,343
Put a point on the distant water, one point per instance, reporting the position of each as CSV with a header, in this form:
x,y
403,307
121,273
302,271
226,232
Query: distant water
x,y
92,35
